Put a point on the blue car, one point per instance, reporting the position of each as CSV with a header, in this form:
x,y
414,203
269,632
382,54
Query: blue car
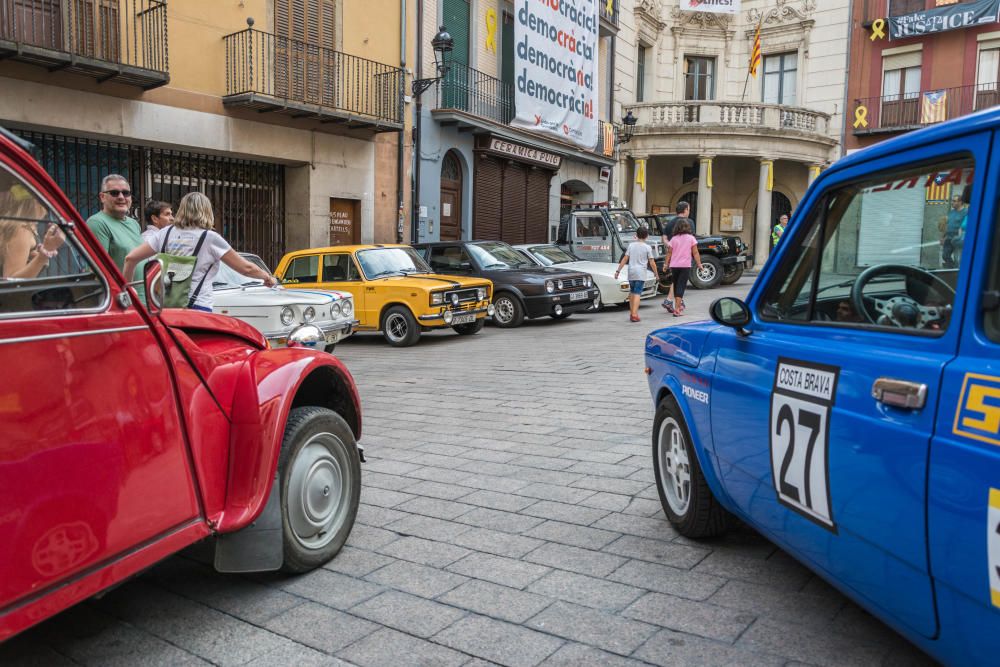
x,y
849,409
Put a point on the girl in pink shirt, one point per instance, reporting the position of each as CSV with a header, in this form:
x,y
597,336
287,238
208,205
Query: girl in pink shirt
x,y
683,247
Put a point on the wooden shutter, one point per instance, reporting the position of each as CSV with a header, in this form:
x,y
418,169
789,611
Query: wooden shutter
x,y
515,199
537,221
305,36
456,20
486,199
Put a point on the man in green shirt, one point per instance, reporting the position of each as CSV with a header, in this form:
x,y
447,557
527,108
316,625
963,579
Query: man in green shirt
x,y
114,229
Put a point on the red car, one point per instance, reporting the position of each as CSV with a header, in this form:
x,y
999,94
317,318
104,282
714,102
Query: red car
x,y
128,432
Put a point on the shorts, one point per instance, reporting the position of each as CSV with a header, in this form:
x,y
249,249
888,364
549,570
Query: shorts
x,y
635,286
680,276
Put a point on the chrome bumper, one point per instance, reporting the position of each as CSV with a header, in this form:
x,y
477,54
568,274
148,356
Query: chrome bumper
x,y
331,333
440,316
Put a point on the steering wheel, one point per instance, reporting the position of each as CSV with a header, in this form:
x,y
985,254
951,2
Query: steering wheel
x,y
900,311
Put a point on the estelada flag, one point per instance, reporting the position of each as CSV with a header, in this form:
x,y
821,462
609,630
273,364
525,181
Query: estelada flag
x,y
755,56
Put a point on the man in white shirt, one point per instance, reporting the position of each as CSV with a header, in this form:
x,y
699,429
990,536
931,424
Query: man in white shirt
x,y
638,256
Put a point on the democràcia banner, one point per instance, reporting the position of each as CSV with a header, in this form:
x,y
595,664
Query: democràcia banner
x,y
947,17
711,6
555,67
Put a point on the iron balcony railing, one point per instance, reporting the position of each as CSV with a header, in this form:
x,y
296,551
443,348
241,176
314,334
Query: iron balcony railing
x,y
269,71
124,40
466,89
911,110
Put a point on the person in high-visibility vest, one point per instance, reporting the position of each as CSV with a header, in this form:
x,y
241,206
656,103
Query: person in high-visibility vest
x,y
778,230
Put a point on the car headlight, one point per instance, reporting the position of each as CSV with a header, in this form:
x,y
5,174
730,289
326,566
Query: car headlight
x,y
481,294
347,308
590,281
309,314
335,309
559,284
455,300
437,298
550,286
287,316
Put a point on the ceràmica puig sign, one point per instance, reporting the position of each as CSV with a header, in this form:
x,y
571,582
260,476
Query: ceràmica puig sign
x,y
556,65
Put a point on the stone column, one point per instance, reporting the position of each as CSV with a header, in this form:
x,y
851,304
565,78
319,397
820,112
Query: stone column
x,y
640,179
814,172
762,233
703,224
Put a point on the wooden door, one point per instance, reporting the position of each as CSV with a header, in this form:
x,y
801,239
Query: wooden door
x,y
345,221
451,198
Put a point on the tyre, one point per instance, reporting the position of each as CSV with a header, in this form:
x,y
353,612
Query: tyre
x,y
560,316
470,329
508,311
399,327
686,498
732,273
709,275
320,473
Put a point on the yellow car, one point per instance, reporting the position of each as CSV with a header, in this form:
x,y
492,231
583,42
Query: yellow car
x,y
394,289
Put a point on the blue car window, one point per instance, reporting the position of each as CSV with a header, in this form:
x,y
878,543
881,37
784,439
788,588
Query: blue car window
x,y
991,320
884,252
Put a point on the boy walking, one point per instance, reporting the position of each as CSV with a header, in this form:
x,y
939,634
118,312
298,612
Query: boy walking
x,y
638,256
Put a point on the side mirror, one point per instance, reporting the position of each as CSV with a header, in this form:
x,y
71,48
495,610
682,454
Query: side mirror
x,y
153,281
731,312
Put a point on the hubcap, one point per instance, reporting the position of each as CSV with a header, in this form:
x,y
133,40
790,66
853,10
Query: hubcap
x,y
318,492
706,273
504,310
675,467
395,326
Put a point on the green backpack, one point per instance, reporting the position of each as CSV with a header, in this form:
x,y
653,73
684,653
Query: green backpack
x,y
178,270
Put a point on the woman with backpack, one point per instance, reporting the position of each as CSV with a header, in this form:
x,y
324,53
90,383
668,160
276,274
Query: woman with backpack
x,y
191,251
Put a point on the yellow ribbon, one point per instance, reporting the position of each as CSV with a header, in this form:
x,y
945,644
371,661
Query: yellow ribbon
x,y
611,7
770,174
708,172
491,30
878,29
861,116
640,174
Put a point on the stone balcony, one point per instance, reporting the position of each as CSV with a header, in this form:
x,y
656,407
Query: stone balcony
x,y
749,129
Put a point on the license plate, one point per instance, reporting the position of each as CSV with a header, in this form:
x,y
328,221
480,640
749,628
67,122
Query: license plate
x,y
463,319
579,296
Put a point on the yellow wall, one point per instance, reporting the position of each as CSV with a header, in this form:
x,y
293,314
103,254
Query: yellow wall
x,y
197,51
371,29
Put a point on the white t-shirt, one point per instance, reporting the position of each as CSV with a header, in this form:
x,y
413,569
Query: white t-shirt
x,y
639,253
150,232
183,242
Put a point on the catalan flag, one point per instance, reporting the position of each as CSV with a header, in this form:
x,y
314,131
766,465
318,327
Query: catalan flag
x,y
755,56
938,190
934,106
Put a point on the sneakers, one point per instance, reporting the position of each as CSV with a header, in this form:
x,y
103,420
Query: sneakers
x,y
668,304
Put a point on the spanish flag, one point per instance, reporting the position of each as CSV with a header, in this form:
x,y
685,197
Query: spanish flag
x,y
755,56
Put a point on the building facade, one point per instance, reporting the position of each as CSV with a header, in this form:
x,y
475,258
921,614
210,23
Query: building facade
x,y
741,150
477,176
919,62
287,113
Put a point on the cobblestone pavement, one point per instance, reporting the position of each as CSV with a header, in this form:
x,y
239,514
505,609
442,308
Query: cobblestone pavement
x,y
508,516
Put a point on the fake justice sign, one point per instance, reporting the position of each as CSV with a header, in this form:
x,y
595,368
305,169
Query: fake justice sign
x,y
555,62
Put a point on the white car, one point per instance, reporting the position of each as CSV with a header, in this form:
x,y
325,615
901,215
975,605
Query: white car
x,y
279,313
613,290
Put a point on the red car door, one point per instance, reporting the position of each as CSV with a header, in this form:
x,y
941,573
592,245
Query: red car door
x,y
93,458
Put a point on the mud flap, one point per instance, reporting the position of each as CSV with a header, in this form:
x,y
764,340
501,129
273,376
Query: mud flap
x,y
259,546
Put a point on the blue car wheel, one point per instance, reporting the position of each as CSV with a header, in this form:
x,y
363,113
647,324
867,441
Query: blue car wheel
x,y
686,498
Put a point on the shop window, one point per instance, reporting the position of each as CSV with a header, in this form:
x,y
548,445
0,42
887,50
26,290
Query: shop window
x,y
780,78
699,78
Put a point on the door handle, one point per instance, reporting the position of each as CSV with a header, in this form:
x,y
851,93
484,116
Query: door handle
x,y
900,393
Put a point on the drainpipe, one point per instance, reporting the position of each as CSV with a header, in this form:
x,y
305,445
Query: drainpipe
x,y
847,79
400,200
611,110
418,108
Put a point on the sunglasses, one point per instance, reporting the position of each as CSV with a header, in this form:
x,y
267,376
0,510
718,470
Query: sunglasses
x,y
115,193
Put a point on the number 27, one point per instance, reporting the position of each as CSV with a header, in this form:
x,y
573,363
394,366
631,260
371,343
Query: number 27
x,y
813,422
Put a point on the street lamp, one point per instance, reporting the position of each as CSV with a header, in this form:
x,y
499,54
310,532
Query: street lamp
x,y
442,44
623,133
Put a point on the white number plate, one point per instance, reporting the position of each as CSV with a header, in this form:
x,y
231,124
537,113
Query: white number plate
x,y
801,400
578,296
463,319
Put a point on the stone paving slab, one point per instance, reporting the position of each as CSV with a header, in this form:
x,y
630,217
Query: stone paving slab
x,y
508,517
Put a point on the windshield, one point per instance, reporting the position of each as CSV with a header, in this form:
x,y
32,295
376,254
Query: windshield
x,y
498,255
227,277
384,262
550,254
624,221
256,260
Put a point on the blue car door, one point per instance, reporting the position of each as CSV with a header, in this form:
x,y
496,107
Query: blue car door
x,y
964,480
822,417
